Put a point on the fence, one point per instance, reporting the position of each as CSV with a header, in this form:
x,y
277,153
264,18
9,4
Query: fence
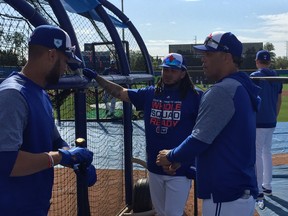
x,y
98,35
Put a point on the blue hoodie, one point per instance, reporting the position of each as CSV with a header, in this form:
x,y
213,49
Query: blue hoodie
x,y
267,115
223,139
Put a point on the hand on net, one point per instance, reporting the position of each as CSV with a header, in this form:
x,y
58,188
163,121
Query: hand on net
x,y
76,155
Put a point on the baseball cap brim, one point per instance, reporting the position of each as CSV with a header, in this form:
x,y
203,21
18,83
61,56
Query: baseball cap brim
x,y
72,58
171,66
73,61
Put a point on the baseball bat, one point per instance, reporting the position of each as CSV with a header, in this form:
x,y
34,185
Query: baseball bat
x,y
83,207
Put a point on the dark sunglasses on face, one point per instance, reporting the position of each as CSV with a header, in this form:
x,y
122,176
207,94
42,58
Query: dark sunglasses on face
x,y
214,44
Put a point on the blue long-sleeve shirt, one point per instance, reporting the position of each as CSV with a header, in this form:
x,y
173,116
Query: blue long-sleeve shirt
x,y
223,139
267,115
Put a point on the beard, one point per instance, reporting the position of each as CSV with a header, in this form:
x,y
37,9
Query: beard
x,y
53,77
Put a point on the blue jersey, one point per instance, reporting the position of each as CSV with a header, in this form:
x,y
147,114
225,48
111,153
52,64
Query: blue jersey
x,y
168,121
267,115
31,194
226,127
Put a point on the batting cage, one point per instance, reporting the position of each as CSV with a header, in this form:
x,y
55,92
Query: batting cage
x,y
101,33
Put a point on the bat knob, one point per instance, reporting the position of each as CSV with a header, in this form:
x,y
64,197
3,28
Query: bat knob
x,y
81,142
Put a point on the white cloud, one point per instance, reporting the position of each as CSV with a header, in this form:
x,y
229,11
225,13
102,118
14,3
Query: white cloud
x,y
275,26
272,28
148,24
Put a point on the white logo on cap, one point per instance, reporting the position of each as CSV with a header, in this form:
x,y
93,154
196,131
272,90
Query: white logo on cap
x,y
58,42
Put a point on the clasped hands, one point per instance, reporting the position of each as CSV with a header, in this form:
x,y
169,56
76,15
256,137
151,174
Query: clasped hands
x,y
168,167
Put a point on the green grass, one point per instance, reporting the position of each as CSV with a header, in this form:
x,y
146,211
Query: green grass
x,y
283,114
68,112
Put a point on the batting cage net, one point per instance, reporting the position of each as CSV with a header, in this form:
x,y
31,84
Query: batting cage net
x,y
106,134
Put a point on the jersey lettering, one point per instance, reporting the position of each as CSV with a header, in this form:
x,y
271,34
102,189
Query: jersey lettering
x,y
165,114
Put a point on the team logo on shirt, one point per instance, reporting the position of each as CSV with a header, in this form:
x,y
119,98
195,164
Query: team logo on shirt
x,y
165,114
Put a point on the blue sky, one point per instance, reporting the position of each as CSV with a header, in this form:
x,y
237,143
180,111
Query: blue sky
x,y
164,22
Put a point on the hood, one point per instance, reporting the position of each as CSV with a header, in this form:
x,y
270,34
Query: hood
x,y
252,89
268,72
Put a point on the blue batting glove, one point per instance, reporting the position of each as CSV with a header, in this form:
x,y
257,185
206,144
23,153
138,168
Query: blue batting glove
x,y
91,175
76,155
90,74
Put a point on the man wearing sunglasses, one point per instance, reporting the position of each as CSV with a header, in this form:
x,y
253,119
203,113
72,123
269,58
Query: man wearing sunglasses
x,y
223,138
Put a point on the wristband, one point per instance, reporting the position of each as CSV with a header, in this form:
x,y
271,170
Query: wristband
x,y
51,160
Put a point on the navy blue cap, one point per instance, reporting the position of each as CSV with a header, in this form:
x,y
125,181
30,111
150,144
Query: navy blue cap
x,y
263,55
55,38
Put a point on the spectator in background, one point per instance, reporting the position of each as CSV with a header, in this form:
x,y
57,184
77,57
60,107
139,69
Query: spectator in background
x,y
170,110
266,121
107,98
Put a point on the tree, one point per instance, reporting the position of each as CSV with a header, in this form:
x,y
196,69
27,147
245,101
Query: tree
x,y
8,58
281,63
270,47
249,59
137,62
13,53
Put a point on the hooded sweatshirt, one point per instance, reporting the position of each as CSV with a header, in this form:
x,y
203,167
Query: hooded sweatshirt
x,y
267,115
223,139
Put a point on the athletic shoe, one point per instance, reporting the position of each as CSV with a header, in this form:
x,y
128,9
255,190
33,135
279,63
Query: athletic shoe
x,y
267,192
261,204
260,197
260,201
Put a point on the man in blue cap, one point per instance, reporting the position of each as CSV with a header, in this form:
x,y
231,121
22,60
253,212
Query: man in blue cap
x,y
170,110
266,121
30,144
223,138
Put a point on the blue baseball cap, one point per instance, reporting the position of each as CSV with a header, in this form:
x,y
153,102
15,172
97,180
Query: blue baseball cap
x,y
174,60
263,55
222,42
55,38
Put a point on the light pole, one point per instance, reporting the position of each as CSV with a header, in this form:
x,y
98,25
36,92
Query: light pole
x,y
122,9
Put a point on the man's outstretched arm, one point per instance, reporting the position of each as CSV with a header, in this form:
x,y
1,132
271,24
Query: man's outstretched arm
x,y
112,88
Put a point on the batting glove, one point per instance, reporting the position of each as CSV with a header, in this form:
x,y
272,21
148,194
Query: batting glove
x,y
76,155
91,175
90,74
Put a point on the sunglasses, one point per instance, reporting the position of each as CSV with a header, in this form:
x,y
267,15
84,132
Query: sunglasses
x,y
214,44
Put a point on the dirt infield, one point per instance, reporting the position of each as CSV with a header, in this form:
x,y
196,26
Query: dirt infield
x,y
107,201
